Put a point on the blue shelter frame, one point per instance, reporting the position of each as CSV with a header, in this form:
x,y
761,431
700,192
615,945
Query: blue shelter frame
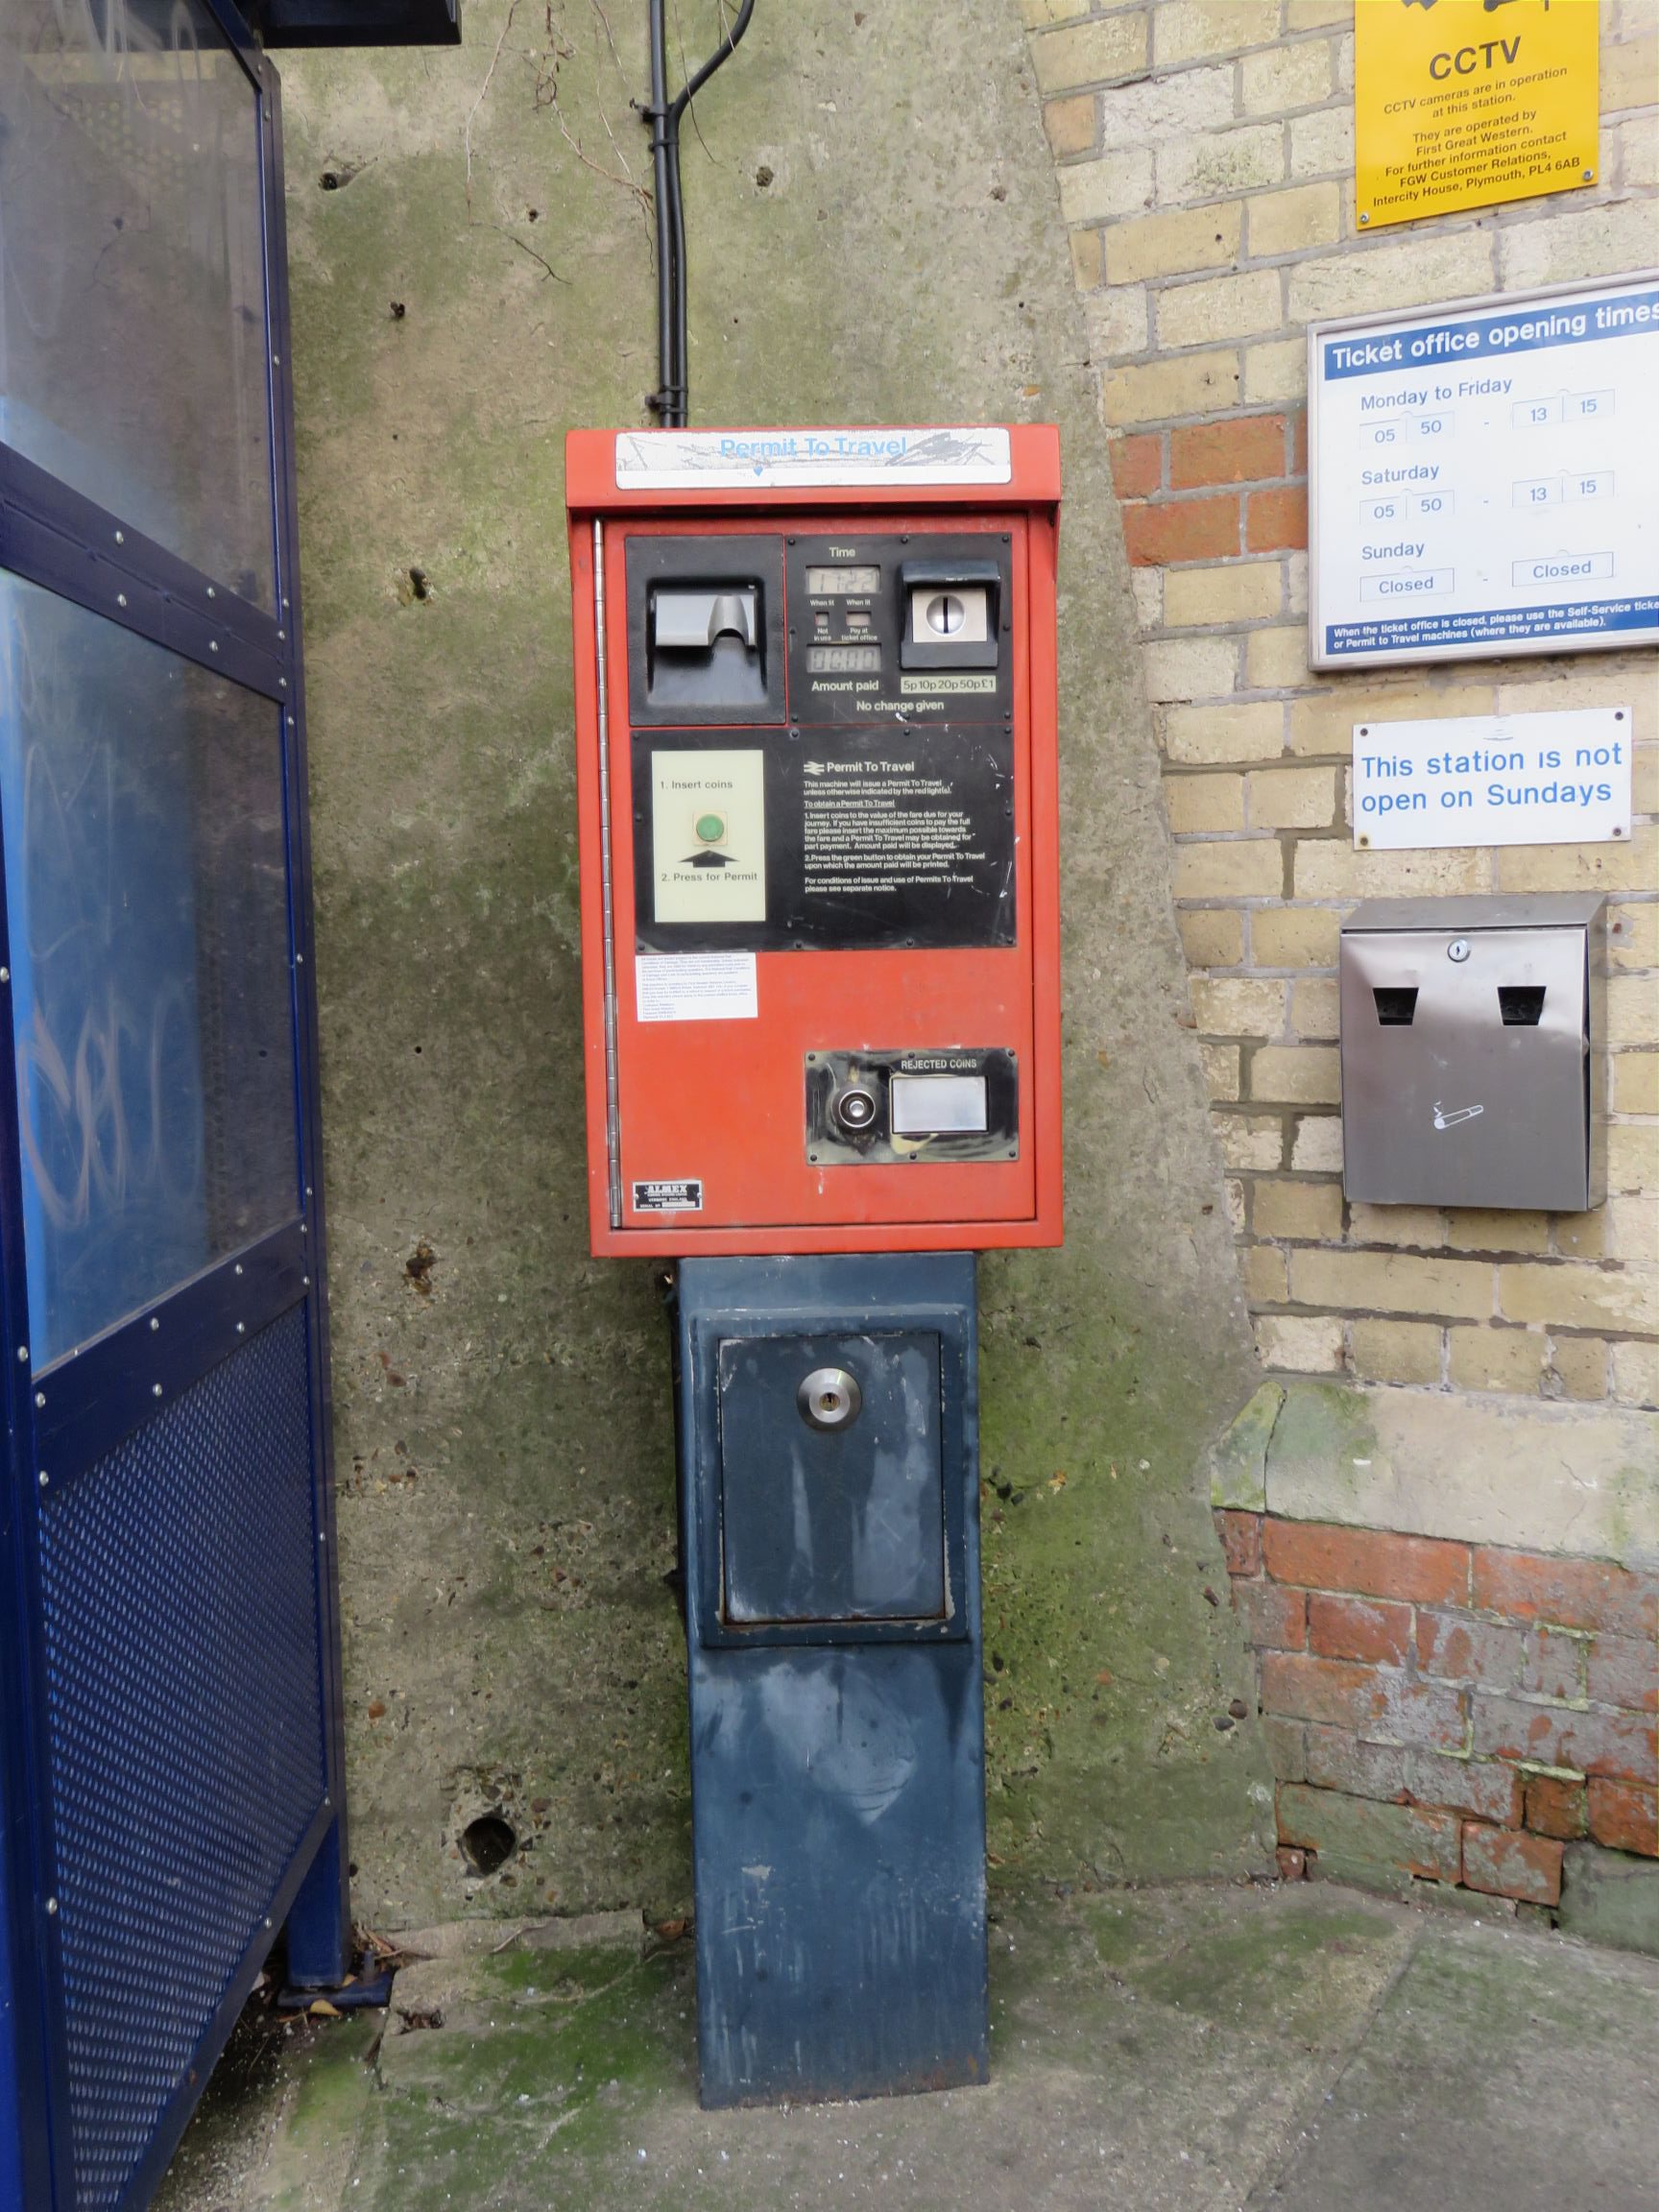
x,y
171,1788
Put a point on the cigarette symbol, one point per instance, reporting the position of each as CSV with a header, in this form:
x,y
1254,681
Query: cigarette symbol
x,y
1445,1121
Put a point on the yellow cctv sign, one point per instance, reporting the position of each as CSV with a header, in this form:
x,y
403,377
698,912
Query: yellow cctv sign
x,y
1463,103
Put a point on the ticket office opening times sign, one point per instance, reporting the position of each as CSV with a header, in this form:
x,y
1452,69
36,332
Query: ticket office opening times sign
x,y
1485,481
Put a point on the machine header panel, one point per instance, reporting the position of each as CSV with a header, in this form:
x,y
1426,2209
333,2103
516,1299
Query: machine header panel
x,y
607,472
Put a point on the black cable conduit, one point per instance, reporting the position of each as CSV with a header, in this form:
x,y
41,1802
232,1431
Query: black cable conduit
x,y
670,401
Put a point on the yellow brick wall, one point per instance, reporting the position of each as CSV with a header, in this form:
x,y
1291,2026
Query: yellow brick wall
x,y
1205,155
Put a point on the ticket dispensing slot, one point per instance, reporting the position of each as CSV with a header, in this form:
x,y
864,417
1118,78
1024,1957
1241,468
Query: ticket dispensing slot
x,y
705,630
704,645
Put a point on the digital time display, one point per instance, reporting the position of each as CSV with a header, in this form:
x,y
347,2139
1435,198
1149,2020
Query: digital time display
x,y
842,583
843,660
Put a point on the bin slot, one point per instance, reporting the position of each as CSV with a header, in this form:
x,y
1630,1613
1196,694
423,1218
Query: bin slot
x,y
1522,1004
1397,1005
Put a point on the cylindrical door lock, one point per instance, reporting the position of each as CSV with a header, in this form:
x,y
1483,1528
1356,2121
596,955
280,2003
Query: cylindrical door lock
x,y
855,1108
830,1398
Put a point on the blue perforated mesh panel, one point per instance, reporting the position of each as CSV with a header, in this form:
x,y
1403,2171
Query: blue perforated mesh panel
x,y
180,1580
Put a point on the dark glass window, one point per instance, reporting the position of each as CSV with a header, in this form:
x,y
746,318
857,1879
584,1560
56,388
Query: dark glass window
x,y
134,360
147,897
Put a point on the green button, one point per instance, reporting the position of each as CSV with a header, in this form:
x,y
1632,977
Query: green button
x,y
710,827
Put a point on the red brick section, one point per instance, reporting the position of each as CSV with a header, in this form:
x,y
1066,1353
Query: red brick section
x,y
1167,517
1415,1568
1275,521
1137,466
1358,1628
1181,530
1573,1593
1447,1712
1241,1535
1624,1817
1507,1864
1557,1807
1239,449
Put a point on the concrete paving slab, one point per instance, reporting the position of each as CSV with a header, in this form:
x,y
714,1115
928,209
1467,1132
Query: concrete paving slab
x,y
1187,2049
1506,2072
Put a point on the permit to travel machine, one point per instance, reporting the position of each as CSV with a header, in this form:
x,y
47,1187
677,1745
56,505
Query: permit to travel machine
x,y
816,773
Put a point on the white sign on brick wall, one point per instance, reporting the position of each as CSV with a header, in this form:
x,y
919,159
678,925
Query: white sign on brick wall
x,y
1494,779
1484,480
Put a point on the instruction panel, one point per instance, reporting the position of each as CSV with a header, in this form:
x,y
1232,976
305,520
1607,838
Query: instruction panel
x,y
1485,481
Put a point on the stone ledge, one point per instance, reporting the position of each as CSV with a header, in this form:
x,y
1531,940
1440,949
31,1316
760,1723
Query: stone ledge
x,y
1573,1479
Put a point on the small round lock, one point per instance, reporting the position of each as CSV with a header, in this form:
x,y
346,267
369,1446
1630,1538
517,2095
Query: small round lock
x,y
1459,949
830,1398
855,1108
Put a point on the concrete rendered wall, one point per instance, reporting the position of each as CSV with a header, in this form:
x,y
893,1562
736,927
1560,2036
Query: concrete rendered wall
x,y
1442,1513
874,235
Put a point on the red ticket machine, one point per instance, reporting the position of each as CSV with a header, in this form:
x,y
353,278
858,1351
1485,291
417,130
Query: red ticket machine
x,y
815,731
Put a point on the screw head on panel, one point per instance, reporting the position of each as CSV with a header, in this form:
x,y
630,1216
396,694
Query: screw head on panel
x,y
154,1321
40,1397
45,1480
155,1389
22,1351
51,1908
120,598
5,975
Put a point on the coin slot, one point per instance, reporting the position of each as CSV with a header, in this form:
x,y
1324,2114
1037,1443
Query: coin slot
x,y
950,611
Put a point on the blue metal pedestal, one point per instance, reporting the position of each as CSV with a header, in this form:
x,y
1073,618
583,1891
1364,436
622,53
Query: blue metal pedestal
x,y
828,1436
